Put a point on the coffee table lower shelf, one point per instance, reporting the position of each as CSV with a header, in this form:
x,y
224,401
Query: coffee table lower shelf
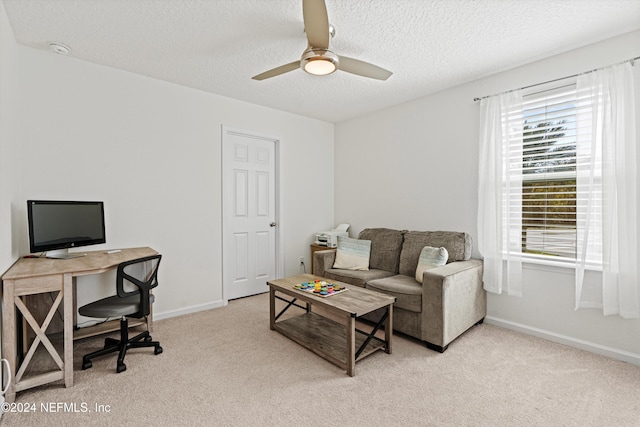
x,y
326,337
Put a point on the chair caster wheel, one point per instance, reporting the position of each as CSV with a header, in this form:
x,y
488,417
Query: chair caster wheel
x,y
121,368
86,364
148,338
158,350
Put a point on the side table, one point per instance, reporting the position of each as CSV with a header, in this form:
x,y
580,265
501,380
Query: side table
x,y
315,248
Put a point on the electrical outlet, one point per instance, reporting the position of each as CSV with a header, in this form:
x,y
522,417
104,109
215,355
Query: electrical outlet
x,y
300,260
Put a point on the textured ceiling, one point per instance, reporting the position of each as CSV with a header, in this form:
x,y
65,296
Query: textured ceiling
x,y
218,45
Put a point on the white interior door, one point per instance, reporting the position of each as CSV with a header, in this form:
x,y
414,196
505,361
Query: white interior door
x,y
249,213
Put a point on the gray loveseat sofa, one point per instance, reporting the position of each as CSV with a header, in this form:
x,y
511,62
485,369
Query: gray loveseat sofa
x,y
450,298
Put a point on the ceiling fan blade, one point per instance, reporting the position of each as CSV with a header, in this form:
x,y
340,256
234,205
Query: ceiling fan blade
x,y
316,23
364,69
277,71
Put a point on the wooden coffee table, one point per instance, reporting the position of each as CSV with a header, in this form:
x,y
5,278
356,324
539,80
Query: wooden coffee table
x,y
330,331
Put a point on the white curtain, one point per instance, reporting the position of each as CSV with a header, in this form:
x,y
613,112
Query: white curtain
x,y
607,190
500,192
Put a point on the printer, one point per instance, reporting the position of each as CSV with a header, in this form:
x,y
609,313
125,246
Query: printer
x,y
330,238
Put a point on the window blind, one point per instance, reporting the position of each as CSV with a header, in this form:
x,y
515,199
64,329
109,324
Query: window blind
x,y
547,153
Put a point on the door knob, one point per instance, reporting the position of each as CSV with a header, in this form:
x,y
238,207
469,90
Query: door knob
x,y
273,224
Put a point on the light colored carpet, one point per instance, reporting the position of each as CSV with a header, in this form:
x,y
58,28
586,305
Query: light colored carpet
x,y
224,367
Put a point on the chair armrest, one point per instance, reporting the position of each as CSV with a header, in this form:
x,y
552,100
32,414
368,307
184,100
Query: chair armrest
x,y
322,261
453,300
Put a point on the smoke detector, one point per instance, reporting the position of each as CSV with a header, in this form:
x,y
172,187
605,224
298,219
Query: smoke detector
x,y
60,48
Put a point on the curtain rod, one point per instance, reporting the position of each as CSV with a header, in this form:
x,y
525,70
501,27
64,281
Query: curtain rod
x,y
554,80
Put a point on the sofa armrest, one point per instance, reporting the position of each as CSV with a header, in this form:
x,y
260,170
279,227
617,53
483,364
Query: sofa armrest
x,y
453,300
322,261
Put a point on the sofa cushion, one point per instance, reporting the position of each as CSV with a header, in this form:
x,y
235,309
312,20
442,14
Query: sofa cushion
x,y
458,245
430,257
356,277
407,291
385,248
352,254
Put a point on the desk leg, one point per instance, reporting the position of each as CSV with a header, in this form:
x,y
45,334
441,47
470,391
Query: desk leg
x,y
75,303
68,329
9,334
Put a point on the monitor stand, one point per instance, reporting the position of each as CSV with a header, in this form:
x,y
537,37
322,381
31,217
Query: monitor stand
x,y
63,254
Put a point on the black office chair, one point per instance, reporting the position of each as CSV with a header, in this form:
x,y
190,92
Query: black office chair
x,y
127,303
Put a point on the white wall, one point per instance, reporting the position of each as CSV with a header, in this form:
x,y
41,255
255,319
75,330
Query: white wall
x,y
414,166
9,135
152,151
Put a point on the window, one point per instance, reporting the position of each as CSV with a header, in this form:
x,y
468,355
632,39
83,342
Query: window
x,y
548,155
557,182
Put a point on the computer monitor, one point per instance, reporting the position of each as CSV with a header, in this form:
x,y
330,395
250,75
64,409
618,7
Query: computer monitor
x,y
56,226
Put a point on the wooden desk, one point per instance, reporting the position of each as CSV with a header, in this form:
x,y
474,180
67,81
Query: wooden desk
x,y
30,276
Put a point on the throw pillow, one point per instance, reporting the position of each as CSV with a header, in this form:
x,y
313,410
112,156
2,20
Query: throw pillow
x,y
430,257
352,254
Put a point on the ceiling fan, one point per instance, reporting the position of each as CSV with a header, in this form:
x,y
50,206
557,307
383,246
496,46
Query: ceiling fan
x,y
317,59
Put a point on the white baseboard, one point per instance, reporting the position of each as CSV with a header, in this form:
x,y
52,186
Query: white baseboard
x,y
188,310
614,353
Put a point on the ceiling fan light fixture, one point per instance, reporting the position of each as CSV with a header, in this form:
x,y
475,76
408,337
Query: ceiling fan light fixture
x,y
319,62
320,67
317,59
